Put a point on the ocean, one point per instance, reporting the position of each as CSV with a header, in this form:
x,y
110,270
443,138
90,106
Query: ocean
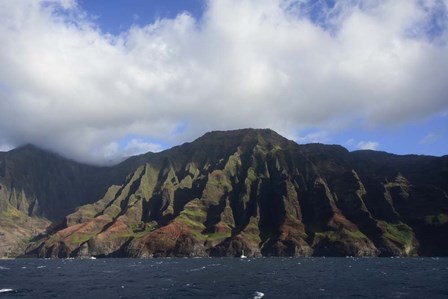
x,y
253,278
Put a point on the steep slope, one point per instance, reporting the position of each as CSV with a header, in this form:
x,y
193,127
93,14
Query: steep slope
x,y
256,191
38,188
414,191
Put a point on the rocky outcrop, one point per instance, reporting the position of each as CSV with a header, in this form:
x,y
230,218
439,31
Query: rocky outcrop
x,y
257,192
17,230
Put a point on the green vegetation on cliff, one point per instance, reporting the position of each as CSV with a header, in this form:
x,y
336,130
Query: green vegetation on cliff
x,y
250,190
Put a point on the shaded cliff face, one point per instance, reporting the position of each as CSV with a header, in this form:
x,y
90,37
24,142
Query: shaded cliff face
x,y
38,187
39,183
257,192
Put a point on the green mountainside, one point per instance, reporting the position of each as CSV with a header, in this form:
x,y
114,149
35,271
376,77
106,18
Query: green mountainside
x,y
232,191
38,188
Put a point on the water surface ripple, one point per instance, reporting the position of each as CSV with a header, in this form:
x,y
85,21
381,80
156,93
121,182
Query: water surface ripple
x,y
225,278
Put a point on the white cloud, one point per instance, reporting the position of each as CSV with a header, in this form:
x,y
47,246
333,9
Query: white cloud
x,y
431,138
139,146
314,137
349,142
66,86
5,147
116,151
368,145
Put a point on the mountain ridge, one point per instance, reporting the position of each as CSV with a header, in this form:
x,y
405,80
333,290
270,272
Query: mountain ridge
x,y
256,191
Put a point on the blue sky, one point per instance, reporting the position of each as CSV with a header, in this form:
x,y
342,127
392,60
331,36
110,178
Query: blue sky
x,y
100,80
119,15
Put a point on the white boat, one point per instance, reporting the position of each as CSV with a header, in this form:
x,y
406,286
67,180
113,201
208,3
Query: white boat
x,y
243,256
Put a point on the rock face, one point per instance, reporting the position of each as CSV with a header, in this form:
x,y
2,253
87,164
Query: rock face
x,y
257,192
17,230
38,187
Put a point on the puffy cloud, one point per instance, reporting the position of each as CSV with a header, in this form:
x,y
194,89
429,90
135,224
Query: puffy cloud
x,y
368,145
288,65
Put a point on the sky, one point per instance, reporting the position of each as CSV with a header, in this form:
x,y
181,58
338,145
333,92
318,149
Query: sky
x,y
100,80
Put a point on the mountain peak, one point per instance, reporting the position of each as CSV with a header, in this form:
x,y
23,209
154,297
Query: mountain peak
x,y
31,148
28,146
248,136
31,151
241,132
218,144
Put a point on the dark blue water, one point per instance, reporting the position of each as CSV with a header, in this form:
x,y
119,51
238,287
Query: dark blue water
x,y
225,278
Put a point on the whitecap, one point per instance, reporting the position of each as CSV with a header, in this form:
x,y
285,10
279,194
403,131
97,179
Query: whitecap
x,y
258,295
3,268
6,290
40,267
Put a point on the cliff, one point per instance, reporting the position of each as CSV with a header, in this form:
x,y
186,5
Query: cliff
x,y
256,191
